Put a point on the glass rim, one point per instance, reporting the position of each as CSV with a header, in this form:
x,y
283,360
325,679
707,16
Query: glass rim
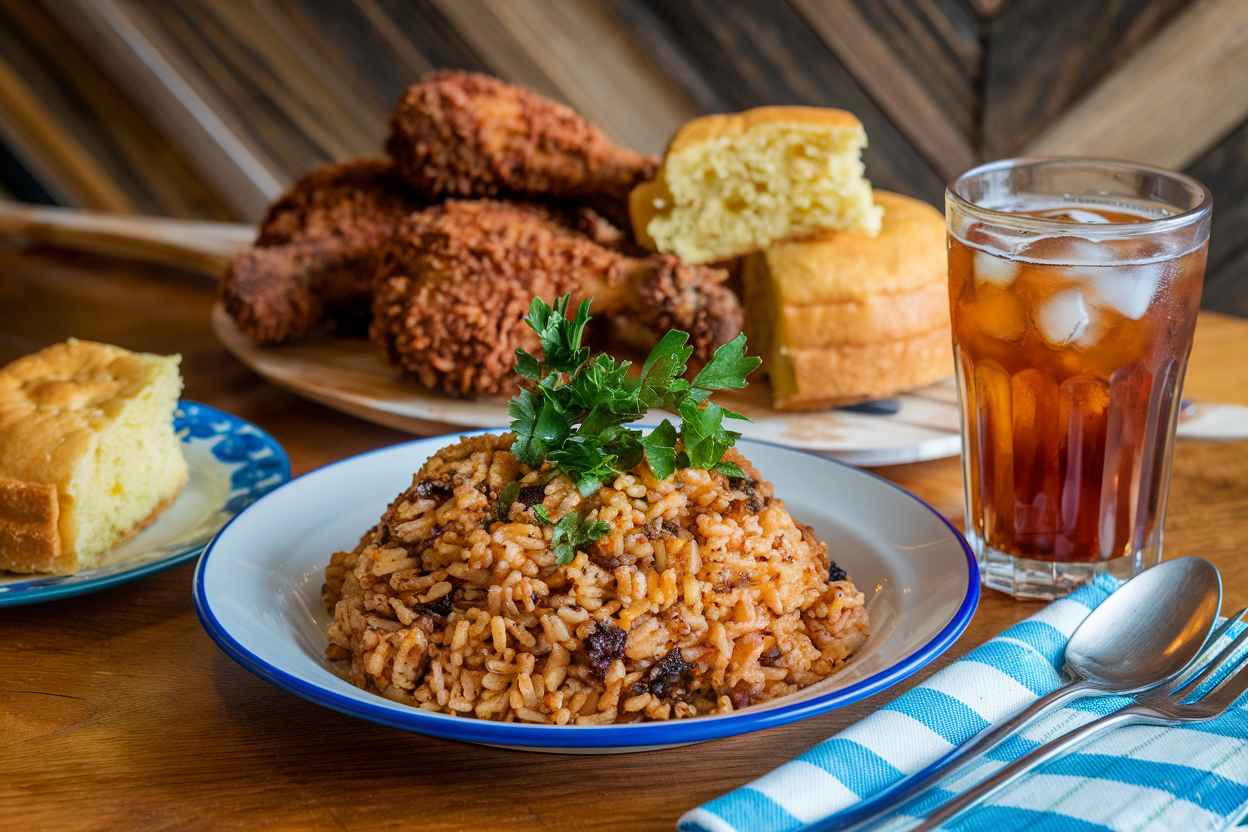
x,y
1045,225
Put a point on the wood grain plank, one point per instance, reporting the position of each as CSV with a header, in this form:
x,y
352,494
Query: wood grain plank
x,y
65,160
1226,285
382,46
940,39
1224,170
1042,54
573,51
17,181
140,160
942,136
652,36
247,94
128,45
206,247
427,30
1169,102
320,89
35,177
755,52
491,38
988,8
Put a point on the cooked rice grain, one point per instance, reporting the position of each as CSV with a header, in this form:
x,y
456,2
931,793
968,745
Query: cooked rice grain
x,y
704,597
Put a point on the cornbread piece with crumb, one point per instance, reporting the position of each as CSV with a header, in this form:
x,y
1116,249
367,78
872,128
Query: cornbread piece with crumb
x,y
733,184
88,455
847,318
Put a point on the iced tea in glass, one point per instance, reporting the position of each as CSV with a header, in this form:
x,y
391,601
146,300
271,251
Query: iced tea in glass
x,y
1073,287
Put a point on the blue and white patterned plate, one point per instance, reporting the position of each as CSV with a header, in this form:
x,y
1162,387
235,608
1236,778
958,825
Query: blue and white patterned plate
x,y
258,593
232,464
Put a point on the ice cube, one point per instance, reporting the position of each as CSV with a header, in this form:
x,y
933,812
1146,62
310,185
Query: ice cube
x,y
1062,318
1128,290
995,270
1080,251
1092,333
1074,250
999,313
1003,240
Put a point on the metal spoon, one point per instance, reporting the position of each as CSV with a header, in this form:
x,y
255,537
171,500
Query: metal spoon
x,y
1143,635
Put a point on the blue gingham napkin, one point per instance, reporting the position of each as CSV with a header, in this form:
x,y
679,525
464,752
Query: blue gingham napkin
x,y
1142,778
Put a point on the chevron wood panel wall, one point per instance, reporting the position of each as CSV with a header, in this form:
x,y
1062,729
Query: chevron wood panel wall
x,y
209,108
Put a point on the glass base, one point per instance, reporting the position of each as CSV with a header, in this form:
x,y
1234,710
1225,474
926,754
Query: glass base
x,y
1028,578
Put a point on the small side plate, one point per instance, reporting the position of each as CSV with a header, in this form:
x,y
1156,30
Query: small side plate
x,y
231,463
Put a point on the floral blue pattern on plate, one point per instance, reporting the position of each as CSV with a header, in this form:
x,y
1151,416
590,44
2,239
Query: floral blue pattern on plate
x,y
232,463
257,590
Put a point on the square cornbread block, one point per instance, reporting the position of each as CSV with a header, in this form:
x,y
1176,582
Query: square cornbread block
x,y
735,184
847,317
88,455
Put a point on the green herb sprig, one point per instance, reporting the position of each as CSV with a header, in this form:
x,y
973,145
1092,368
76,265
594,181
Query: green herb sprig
x,y
575,417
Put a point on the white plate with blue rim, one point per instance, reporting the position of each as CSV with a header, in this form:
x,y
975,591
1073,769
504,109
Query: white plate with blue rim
x,y
257,590
231,464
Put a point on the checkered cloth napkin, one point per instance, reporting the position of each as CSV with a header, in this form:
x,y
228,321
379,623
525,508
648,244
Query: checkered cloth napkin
x,y
1191,778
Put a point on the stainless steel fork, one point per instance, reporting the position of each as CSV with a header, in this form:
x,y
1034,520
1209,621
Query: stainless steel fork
x,y
1166,705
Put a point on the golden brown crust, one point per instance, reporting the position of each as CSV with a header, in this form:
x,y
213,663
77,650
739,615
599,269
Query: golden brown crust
x,y
645,202
815,379
313,257
730,125
52,401
467,134
874,319
909,252
849,318
29,539
455,282
356,203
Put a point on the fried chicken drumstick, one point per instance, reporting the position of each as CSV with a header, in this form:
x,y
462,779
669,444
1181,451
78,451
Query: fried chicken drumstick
x,y
455,281
313,257
466,134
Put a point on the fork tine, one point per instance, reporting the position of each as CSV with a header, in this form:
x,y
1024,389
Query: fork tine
x,y
1184,685
1234,683
1217,665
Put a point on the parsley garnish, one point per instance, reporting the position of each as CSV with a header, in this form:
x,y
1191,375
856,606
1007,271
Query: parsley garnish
x,y
576,415
571,532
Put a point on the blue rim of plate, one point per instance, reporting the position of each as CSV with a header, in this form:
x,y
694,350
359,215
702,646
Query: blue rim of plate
x,y
638,735
259,464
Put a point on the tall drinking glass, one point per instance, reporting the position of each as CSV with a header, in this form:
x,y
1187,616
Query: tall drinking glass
x,y
1073,288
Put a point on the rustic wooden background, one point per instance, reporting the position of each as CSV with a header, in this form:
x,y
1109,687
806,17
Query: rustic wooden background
x,y
209,108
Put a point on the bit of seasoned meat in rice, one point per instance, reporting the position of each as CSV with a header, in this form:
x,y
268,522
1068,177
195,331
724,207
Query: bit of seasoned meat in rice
x,y
704,597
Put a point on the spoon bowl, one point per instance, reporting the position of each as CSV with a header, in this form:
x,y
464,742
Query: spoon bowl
x,y
1149,630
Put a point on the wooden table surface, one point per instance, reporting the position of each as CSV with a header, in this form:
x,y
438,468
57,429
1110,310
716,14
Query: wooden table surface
x,y
118,712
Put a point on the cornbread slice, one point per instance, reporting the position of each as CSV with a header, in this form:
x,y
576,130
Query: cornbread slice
x,y
88,455
846,317
734,184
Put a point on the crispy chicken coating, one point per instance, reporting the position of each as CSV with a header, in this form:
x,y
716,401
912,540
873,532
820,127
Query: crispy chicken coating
x,y
455,281
466,134
313,257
